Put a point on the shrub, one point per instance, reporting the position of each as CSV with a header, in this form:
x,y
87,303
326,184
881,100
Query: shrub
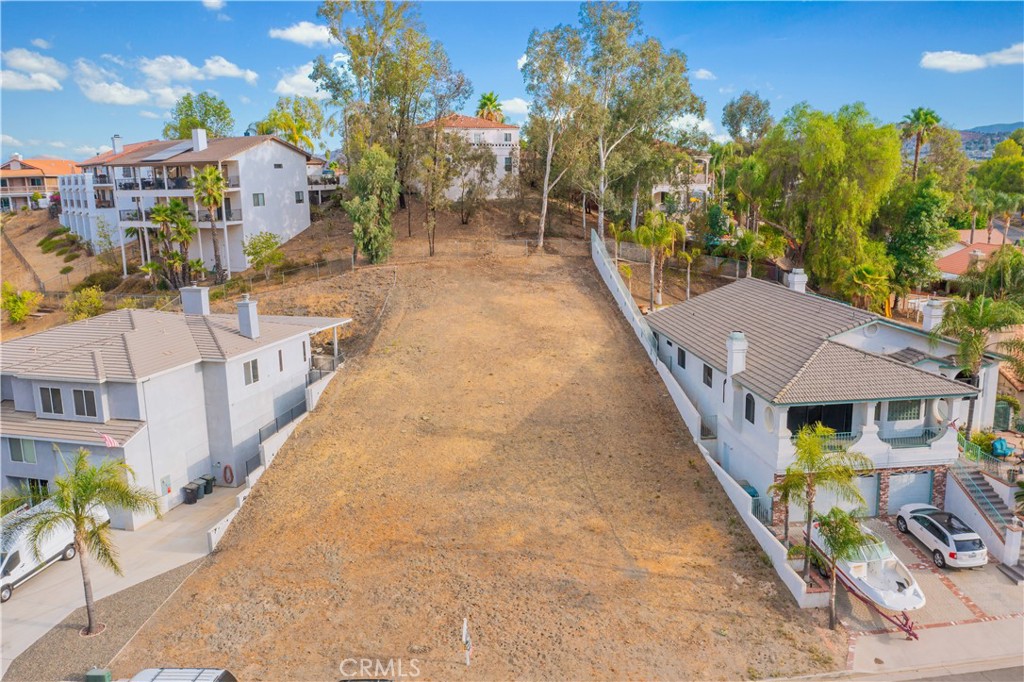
x,y
1011,401
62,251
983,439
18,304
43,242
49,246
128,302
105,280
83,304
73,239
55,233
66,269
71,256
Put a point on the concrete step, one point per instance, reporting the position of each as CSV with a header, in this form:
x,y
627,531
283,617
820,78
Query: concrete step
x,y
1014,573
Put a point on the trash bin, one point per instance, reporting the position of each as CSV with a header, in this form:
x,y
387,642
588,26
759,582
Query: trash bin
x,y
200,488
191,493
207,480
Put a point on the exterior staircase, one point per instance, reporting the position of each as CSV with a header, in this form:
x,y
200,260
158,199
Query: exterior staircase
x,y
988,502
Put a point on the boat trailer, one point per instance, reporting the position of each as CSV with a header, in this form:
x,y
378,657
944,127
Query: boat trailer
x,y
900,622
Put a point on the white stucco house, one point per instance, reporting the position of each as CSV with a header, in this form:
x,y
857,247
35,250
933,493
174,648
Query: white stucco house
x,y
760,360
501,138
693,181
174,395
267,190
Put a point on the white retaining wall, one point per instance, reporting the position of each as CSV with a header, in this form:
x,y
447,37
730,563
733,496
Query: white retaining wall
x,y
740,499
959,502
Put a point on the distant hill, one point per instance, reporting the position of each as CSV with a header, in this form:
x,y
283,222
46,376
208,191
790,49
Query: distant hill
x,y
996,128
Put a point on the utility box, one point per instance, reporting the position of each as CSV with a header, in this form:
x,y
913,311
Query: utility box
x,y
98,675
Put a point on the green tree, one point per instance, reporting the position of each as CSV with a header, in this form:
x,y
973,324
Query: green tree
x,y
723,155
70,504
1000,276
751,246
658,235
950,165
474,168
489,107
869,283
786,491
979,202
300,121
972,323
1018,136
292,129
263,250
18,304
825,465
918,126
199,111
748,118
83,304
375,194
1004,172
1004,204
842,538
208,187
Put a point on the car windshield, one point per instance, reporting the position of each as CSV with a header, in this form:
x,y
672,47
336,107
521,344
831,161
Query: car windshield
x,y
972,545
873,551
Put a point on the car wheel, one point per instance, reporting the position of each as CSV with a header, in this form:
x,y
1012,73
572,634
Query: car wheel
x,y
939,560
901,524
69,553
5,593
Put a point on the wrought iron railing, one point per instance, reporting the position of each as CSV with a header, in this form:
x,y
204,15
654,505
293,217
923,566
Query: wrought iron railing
x,y
283,420
127,184
974,453
761,507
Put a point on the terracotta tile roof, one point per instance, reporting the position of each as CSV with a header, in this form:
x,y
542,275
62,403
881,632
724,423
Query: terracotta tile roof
x,y
28,425
981,236
106,157
127,345
1011,377
468,122
40,167
957,262
791,358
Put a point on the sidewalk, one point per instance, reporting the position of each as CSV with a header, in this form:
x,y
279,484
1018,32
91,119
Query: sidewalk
x,y
44,601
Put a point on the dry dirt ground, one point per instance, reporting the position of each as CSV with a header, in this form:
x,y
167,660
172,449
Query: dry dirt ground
x,y
505,453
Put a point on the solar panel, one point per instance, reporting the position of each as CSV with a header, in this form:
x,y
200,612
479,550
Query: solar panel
x,y
173,150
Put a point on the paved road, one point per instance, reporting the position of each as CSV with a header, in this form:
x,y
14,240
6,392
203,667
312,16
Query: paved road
x,y
44,601
1014,234
999,675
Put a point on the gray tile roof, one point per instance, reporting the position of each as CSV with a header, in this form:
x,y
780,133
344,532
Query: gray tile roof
x,y
28,425
790,358
128,345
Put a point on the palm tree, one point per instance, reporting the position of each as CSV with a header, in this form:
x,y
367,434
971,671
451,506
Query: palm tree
x,y
182,234
980,201
69,502
972,323
197,267
209,187
722,156
867,285
823,464
292,129
152,270
619,234
841,536
689,257
753,246
658,235
1005,203
788,490
489,107
918,126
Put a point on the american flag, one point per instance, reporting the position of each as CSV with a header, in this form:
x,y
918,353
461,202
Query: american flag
x,y
109,441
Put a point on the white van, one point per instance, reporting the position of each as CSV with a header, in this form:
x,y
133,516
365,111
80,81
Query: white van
x,y
18,562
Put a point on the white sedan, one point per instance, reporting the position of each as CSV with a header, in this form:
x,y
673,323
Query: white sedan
x,y
950,540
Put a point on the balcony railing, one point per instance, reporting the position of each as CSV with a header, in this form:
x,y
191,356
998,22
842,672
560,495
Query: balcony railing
x,y
840,440
132,214
234,214
911,440
322,180
178,183
234,181
154,183
99,179
127,184
104,203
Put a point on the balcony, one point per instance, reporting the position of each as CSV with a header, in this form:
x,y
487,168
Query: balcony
x,y
153,183
838,441
233,181
104,203
234,215
134,215
322,180
127,185
99,179
918,438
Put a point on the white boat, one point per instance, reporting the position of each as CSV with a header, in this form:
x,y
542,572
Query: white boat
x,y
877,574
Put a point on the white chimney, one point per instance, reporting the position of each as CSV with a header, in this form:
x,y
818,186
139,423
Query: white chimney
x,y
15,161
248,320
116,143
736,353
195,300
932,315
198,139
798,280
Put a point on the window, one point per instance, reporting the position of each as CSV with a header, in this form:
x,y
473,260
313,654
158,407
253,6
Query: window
x,y
708,375
85,403
258,200
50,398
37,182
126,172
23,450
508,137
252,372
3,183
681,357
900,410
508,164
878,412
748,408
300,197
280,360
278,165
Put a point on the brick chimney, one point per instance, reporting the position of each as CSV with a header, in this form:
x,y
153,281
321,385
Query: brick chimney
x,y
195,300
248,320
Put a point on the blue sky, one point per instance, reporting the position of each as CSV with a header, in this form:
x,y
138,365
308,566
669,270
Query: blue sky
x,y
76,73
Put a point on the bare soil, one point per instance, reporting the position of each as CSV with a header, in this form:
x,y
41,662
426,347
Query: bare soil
x,y
503,452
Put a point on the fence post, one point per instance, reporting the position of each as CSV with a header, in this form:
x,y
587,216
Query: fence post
x,y
317,264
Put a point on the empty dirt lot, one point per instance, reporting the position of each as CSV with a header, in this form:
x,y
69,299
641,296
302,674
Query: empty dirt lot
x,y
505,453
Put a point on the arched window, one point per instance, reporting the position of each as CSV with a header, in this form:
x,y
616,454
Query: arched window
x,y
749,408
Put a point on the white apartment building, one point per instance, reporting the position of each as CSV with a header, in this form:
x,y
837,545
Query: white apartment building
x,y
267,191
502,138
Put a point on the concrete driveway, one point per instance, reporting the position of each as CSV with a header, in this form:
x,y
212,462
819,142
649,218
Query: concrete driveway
x,y
42,602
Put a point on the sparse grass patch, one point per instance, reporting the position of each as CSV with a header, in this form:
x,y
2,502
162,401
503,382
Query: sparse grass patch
x,y
66,269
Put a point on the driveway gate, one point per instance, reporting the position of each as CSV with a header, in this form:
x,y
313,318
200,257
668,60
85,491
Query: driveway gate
x,y
1002,418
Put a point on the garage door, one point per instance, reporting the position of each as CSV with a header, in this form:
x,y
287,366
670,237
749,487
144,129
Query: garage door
x,y
824,500
907,488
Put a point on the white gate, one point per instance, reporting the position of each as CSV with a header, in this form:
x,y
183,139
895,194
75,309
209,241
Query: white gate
x,y
907,488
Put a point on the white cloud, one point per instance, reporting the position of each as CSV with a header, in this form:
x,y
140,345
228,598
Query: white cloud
x,y
148,114
57,144
7,139
170,68
702,125
27,70
114,59
297,82
104,87
727,89
42,44
92,151
218,67
223,17
168,95
517,106
214,5
304,33
704,75
952,61
521,62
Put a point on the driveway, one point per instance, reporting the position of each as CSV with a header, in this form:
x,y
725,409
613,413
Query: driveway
x,y
970,615
44,601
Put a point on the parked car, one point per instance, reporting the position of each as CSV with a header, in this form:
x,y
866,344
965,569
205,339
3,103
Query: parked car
x,y
950,540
